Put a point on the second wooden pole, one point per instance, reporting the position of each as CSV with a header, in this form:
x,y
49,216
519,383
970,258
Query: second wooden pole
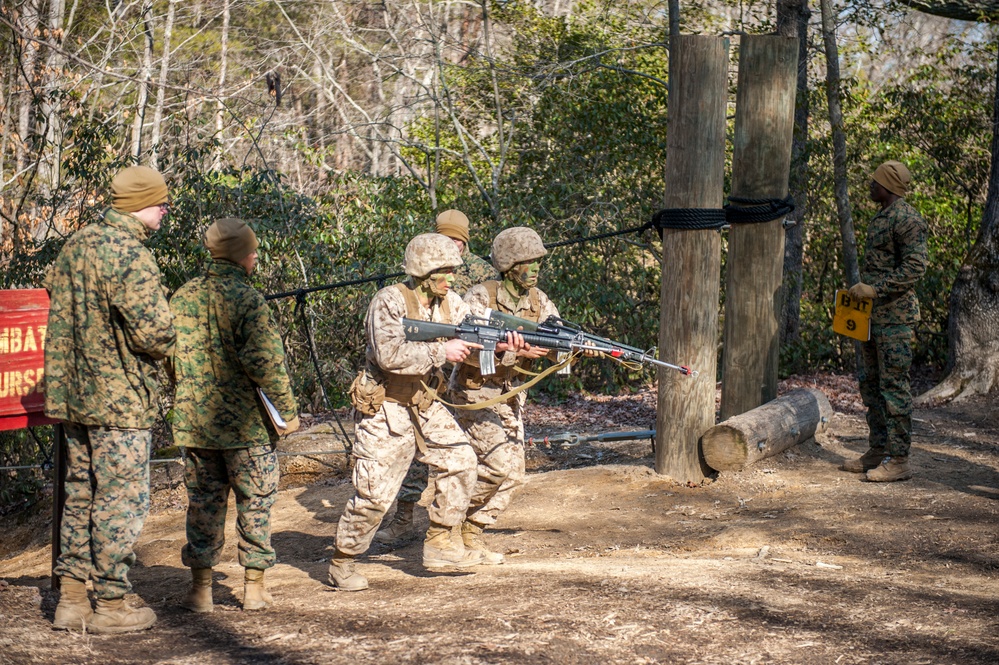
x,y
761,163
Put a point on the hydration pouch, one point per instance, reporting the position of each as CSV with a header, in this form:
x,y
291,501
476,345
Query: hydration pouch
x,y
367,394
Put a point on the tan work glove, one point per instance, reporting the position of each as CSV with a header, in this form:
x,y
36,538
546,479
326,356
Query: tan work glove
x,y
862,291
293,426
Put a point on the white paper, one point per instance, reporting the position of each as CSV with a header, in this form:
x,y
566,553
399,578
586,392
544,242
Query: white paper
x,y
272,411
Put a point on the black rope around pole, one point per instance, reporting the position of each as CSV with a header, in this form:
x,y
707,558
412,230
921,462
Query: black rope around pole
x,y
690,219
757,211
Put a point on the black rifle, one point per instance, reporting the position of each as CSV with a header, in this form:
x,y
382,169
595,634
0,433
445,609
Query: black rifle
x,y
583,340
490,333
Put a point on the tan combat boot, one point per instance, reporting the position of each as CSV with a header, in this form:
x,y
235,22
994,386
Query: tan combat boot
x,y
869,460
342,574
116,616
439,551
891,469
255,596
471,536
73,611
401,529
199,597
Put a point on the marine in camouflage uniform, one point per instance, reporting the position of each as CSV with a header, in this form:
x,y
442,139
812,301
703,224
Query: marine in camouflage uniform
x,y
227,347
109,323
398,419
474,270
497,432
895,259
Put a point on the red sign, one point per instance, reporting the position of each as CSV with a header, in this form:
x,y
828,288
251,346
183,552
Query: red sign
x,y
24,318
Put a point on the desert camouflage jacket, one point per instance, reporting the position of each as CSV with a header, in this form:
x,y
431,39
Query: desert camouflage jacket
x,y
387,347
479,300
226,347
109,322
474,270
894,260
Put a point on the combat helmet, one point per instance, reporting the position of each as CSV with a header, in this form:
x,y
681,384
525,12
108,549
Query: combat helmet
x,y
428,252
516,245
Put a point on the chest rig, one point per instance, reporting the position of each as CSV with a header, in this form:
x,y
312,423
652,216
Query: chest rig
x,y
406,389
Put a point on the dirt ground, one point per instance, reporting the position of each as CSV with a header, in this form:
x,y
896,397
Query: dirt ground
x,y
791,561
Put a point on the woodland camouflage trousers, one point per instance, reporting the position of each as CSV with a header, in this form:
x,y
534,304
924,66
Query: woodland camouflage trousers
x,y
107,500
884,387
252,474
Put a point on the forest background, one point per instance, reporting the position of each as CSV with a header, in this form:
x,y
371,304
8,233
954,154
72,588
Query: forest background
x,y
339,130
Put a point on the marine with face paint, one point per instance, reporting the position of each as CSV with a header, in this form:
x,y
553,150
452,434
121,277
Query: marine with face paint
x,y
497,432
399,417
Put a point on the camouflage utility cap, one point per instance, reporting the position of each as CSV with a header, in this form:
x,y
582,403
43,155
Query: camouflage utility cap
x,y
231,239
893,176
136,188
429,252
453,224
516,245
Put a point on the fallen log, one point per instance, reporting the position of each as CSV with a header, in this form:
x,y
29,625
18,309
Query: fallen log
x,y
766,430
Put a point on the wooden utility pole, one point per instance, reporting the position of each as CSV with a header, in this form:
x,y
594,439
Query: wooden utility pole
x,y
688,320
764,128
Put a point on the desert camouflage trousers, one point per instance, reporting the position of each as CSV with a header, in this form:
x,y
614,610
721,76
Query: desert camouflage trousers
x,y
884,387
252,474
497,435
107,500
385,446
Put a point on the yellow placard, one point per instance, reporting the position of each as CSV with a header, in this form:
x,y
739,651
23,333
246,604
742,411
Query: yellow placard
x,y
852,317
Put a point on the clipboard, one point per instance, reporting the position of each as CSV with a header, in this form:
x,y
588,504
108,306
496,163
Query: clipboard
x,y
276,420
852,316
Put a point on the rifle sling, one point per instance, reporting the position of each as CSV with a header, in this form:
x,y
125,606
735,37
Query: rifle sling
x,y
507,395
414,415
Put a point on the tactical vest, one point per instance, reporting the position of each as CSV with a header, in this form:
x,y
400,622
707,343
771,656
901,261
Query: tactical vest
x,y
407,389
469,377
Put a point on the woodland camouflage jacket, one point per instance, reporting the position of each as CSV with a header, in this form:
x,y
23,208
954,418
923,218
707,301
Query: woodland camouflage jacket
x,y
226,347
894,261
474,270
109,322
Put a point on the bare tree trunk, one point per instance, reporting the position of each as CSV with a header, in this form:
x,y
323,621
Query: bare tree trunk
x,y
224,60
850,263
792,21
973,327
145,75
320,112
49,178
499,163
161,90
29,57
